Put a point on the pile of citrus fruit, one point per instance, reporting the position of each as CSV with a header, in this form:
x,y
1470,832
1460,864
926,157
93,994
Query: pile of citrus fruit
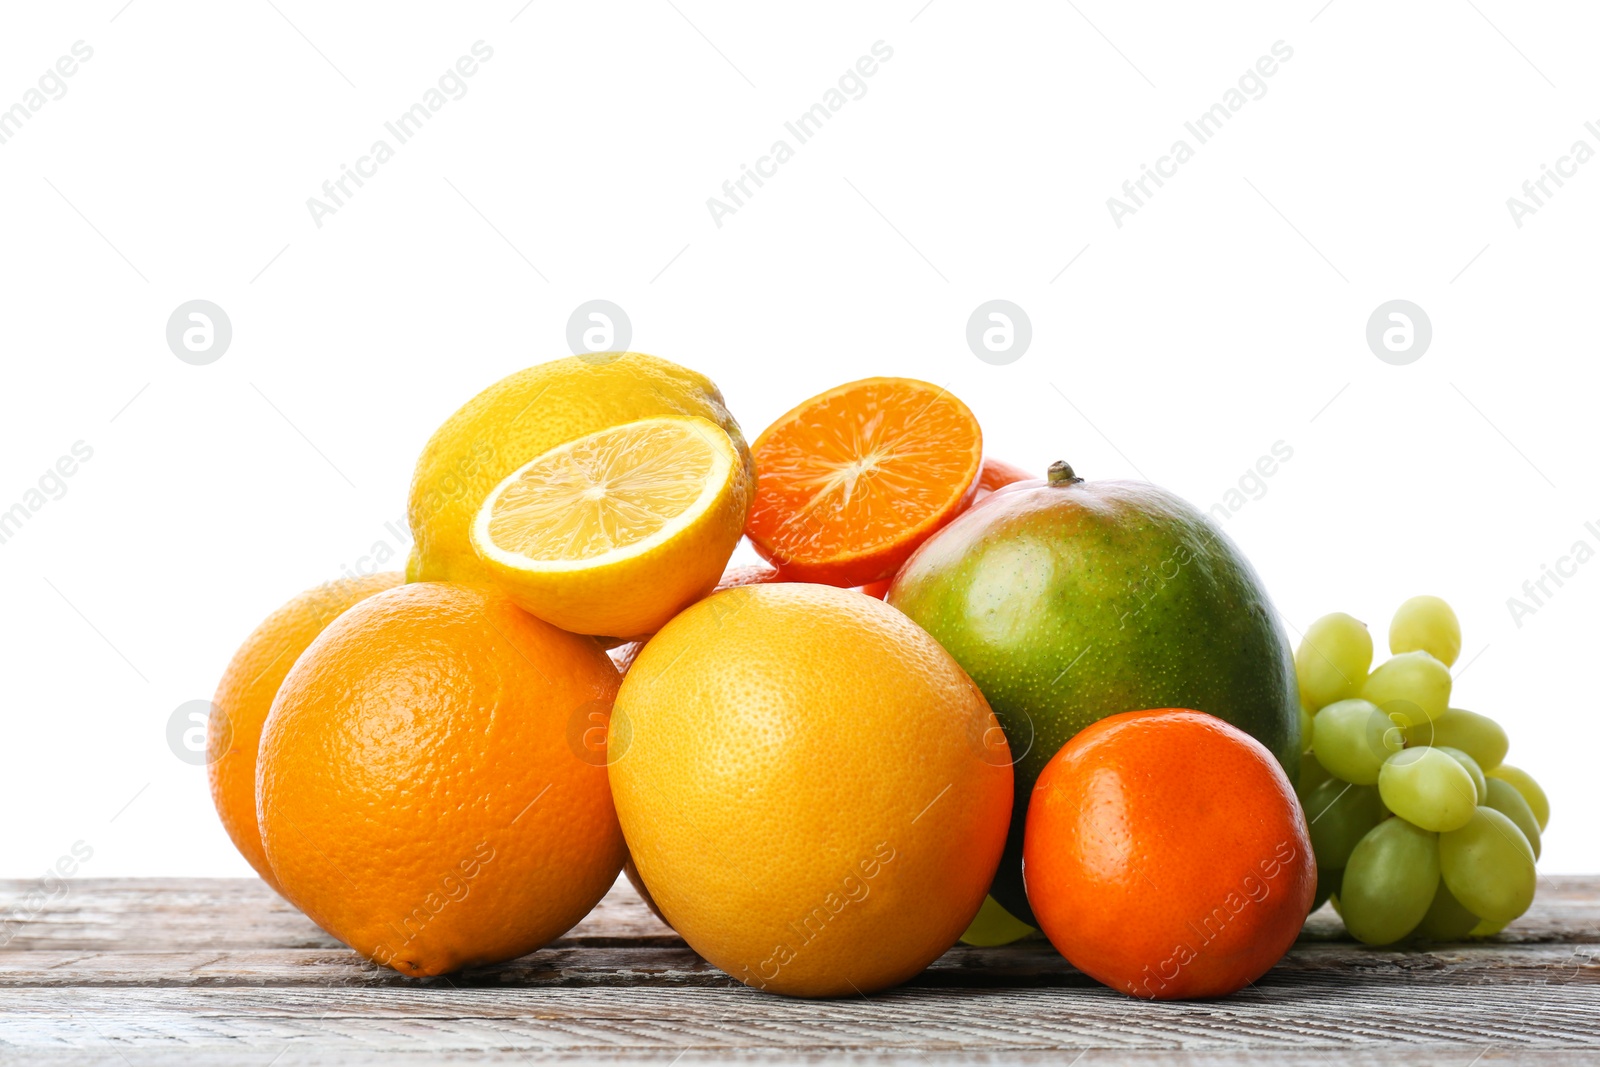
x,y
956,700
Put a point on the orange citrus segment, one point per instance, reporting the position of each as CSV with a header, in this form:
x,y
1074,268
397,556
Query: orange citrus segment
x,y
853,480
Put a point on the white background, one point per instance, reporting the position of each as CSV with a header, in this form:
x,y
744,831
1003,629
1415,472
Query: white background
x,y
1226,315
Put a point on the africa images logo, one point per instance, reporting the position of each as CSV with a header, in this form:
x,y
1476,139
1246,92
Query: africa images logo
x,y
403,128
1251,85
803,128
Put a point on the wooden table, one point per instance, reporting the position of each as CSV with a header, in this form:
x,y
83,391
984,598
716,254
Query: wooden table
x,y
129,972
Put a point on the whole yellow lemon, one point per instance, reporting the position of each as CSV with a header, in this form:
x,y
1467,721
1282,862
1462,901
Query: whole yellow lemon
x,y
526,414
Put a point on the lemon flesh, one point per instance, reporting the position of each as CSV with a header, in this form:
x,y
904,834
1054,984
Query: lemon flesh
x,y
617,531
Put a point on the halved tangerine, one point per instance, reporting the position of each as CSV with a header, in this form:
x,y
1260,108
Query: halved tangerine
x,y
850,482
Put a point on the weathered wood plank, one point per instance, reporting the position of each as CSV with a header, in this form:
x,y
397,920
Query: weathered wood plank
x,y
1031,966
222,913
198,971
1278,1016
199,913
303,1055
299,1056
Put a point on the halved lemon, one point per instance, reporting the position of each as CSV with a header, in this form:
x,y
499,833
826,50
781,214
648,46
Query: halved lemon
x,y
616,532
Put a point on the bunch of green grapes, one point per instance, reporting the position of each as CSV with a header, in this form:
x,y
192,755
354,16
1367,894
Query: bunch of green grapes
x,y
1419,827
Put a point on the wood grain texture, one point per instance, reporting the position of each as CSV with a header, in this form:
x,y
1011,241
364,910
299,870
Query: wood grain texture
x,y
223,971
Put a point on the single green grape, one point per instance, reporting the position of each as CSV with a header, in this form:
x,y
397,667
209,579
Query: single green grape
x,y
1312,774
1390,882
1447,918
1523,782
1338,814
1488,865
1428,787
1503,797
1410,687
994,925
1332,660
1307,725
1426,623
1479,783
1477,735
1353,738
1485,928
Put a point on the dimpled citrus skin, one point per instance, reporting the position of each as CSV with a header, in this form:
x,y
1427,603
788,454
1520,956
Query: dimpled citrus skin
x,y
816,794
523,416
1166,855
420,797
244,696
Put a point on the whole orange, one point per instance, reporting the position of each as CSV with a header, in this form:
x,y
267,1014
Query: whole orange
x,y
1166,855
244,696
425,793
815,793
